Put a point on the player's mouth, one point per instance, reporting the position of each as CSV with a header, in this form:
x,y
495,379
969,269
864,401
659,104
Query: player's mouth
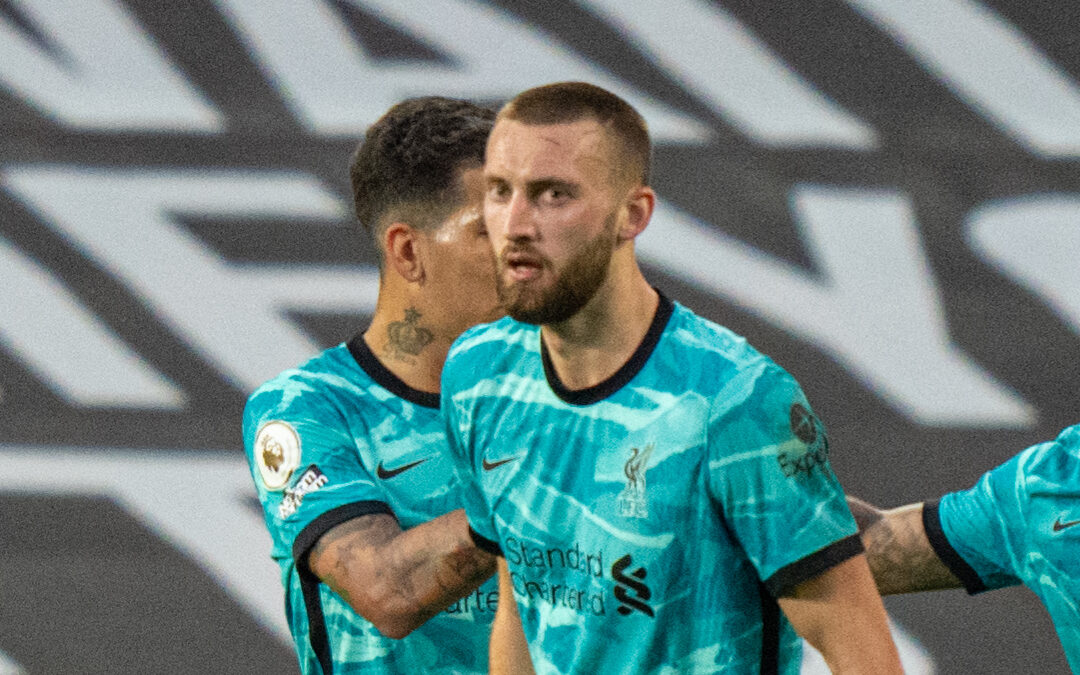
x,y
522,265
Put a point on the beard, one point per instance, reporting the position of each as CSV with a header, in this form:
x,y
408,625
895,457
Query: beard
x,y
571,290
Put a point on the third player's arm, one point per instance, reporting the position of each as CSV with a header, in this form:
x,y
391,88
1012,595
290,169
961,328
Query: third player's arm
x,y
842,616
509,653
898,550
398,579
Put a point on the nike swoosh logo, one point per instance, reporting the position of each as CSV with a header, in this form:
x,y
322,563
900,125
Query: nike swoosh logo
x,y
386,474
488,466
1059,526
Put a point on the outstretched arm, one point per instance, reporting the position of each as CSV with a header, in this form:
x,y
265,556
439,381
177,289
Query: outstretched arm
x,y
898,550
398,579
842,616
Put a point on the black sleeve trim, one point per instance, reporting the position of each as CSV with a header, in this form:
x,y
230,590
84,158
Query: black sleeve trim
x,y
931,518
785,579
770,633
484,544
307,538
309,583
317,634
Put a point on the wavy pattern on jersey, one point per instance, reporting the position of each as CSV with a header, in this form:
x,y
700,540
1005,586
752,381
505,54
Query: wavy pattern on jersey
x,y
348,424
647,567
1008,527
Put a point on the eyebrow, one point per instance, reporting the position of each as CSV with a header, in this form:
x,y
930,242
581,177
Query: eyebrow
x,y
543,183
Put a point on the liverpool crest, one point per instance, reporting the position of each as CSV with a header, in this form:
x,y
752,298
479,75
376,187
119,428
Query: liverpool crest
x,y
632,501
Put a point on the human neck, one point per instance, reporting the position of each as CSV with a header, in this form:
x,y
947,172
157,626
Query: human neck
x,y
591,346
408,342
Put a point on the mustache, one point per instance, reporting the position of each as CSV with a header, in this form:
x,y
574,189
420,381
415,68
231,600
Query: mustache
x,y
522,253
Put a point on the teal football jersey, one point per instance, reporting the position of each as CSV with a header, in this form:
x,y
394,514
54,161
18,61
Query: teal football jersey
x,y
341,437
1020,523
649,522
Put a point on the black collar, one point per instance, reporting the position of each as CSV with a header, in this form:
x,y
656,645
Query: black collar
x,y
624,374
371,365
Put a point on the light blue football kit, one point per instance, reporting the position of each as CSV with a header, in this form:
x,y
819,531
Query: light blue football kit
x,y
341,437
1020,524
648,522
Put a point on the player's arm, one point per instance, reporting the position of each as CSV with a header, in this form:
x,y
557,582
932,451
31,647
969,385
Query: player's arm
x,y
900,555
509,652
398,579
840,613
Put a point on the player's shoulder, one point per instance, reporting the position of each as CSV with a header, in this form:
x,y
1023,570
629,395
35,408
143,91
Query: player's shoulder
x,y
323,367
716,350
491,345
505,332
1055,462
324,377
1068,441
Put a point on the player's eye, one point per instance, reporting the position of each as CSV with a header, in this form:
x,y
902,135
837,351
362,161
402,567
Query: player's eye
x,y
555,196
498,191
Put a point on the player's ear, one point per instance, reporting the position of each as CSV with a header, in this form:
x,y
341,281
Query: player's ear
x,y
640,203
401,244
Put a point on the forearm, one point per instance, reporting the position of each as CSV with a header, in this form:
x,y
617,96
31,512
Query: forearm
x,y
899,553
398,579
435,563
509,652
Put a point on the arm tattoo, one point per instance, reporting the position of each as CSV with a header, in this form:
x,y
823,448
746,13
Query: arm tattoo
x,y
403,576
900,555
335,534
348,540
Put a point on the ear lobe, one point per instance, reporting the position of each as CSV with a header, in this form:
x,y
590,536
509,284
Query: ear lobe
x,y
639,209
400,243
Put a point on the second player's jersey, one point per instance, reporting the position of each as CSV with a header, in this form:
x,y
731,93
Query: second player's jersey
x,y
341,437
1020,523
648,522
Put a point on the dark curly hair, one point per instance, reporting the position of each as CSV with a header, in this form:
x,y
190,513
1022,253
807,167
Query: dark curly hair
x,y
406,167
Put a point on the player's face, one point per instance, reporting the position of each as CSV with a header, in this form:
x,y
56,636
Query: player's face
x,y
550,208
461,267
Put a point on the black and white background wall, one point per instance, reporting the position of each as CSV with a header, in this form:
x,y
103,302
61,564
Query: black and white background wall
x,y
884,195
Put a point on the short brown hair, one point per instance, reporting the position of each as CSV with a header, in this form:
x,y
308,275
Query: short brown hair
x,y
566,102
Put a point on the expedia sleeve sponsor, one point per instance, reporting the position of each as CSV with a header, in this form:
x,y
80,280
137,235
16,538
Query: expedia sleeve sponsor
x,y
812,449
770,475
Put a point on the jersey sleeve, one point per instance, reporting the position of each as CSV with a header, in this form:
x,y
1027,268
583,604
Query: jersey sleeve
x,y
457,420
307,467
770,475
976,531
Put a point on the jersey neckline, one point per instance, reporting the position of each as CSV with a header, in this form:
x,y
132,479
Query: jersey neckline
x,y
624,374
375,369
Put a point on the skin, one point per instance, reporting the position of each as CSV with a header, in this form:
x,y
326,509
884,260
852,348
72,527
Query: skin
x,y
552,191
399,579
436,283
445,275
509,652
898,550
